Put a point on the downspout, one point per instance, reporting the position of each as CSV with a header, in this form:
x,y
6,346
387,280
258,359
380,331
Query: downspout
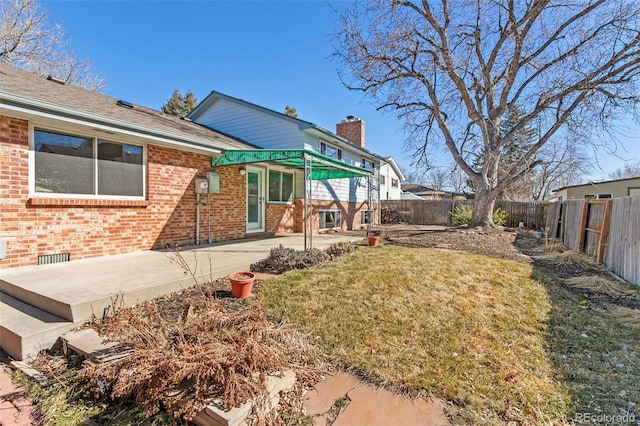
x,y
209,240
197,218
379,201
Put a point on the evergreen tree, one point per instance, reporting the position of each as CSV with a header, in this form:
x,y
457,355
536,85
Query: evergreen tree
x,y
180,105
290,111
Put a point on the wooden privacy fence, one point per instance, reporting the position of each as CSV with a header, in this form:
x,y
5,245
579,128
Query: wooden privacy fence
x,y
438,212
607,230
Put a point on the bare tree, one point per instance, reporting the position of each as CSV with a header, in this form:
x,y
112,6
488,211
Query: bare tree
x,y
629,170
451,69
561,164
438,178
29,42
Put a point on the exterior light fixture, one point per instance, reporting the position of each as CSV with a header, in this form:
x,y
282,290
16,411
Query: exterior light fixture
x,y
242,171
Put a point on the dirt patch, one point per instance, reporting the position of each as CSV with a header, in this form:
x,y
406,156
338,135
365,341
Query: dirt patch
x,y
498,243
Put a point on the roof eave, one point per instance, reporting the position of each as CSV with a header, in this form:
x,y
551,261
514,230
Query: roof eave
x,y
31,106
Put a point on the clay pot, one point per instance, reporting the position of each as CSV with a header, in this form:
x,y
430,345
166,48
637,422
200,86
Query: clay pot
x,y
241,284
373,240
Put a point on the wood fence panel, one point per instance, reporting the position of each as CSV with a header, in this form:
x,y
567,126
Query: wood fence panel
x,y
572,219
593,229
553,220
531,214
623,249
422,212
438,212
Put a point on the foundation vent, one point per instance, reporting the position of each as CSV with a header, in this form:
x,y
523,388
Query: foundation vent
x,y
53,258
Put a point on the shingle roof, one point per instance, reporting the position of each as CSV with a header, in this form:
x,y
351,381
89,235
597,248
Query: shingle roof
x,y
23,86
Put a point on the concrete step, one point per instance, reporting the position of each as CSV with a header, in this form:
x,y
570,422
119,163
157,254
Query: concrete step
x,y
94,288
25,330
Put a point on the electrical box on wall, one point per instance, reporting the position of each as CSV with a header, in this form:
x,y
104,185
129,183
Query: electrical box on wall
x,y
202,186
214,182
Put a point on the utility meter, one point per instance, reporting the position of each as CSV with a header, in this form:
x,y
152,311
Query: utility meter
x,y
202,186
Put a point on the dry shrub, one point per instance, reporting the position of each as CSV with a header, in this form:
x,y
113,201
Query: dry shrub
x,y
340,249
282,259
601,285
626,316
573,258
210,355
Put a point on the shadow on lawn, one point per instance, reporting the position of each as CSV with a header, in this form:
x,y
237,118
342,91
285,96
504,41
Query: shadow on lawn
x,y
595,357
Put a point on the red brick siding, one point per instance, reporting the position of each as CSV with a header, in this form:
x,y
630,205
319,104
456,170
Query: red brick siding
x,y
350,213
89,228
281,218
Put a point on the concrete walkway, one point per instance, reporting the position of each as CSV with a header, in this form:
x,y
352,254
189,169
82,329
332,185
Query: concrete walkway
x,y
343,400
39,303
15,408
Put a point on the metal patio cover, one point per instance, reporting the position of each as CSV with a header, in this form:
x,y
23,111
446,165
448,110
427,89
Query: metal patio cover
x,y
321,167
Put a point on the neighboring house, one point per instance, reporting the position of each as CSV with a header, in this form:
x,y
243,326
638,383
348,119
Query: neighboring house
x,y
348,203
606,189
86,175
390,178
427,193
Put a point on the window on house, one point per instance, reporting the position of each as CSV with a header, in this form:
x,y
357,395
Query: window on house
x,y
394,182
280,186
604,195
382,180
589,196
366,216
69,164
330,219
330,151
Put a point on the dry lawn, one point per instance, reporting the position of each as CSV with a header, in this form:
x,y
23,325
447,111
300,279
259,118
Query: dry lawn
x,y
468,328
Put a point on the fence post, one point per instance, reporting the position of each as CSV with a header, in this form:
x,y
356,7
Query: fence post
x,y
604,231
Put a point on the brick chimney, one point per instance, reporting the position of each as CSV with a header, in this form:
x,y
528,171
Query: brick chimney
x,y
352,129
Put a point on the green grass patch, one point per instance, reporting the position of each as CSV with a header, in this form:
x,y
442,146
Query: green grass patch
x,y
468,328
595,354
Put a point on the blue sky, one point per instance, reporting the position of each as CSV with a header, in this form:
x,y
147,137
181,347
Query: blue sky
x,y
266,52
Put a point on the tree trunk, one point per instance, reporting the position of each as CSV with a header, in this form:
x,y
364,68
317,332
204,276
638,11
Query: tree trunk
x,y
483,209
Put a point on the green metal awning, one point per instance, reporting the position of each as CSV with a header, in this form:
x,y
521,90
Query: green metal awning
x,y
321,166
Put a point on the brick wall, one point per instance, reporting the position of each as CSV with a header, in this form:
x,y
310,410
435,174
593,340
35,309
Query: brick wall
x,y
351,219
353,130
281,218
88,228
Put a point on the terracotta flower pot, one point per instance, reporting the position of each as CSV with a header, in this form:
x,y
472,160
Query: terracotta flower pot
x,y
241,284
373,240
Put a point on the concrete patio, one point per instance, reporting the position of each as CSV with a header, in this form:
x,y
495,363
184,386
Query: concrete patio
x,y
40,303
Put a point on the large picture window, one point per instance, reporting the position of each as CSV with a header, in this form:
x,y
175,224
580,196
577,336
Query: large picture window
x,y
280,186
68,164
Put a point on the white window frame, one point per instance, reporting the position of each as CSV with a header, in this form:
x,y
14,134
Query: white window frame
x,y
322,220
293,189
366,216
94,137
323,150
383,180
394,182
